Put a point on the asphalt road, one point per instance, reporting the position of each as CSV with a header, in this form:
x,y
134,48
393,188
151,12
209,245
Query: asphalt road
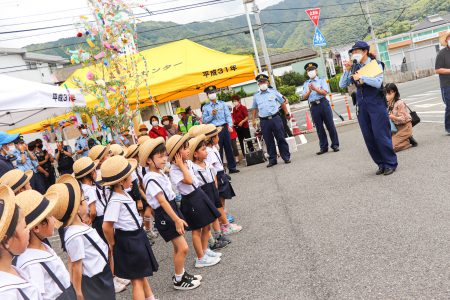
x,y
422,95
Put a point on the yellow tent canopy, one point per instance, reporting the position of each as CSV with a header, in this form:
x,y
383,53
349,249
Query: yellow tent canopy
x,y
175,70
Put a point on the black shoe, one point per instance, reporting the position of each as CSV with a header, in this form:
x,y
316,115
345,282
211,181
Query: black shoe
x,y
234,171
322,151
219,244
389,171
192,277
224,238
271,164
336,149
413,141
185,283
287,161
380,171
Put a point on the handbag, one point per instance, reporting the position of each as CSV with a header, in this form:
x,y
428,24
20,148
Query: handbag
x,y
393,127
415,119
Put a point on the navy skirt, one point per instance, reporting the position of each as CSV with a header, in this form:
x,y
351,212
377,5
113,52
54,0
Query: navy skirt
x,y
100,286
225,189
198,210
97,225
68,294
165,225
133,255
213,193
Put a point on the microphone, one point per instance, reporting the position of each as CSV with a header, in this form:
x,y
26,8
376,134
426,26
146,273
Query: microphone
x,y
355,62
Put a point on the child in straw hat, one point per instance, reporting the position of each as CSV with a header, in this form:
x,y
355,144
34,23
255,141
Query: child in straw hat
x,y
39,262
224,186
168,218
206,176
196,207
131,250
17,180
88,253
14,238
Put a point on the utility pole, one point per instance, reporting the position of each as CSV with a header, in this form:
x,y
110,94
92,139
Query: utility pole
x,y
372,30
263,44
252,36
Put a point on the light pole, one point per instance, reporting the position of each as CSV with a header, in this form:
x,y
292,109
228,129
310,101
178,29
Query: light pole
x,y
250,27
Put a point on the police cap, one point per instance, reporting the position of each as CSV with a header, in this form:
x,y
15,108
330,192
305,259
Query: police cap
x,y
360,45
210,89
311,65
262,77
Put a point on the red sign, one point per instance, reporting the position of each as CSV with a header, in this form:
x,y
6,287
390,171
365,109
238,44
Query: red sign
x,y
314,14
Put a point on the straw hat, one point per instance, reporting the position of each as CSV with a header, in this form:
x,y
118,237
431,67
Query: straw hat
x,y
116,169
147,148
116,149
84,166
7,209
174,143
197,130
143,139
193,143
16,179
35,206
143,127
443,38
132,151
211,130
69,198
98,152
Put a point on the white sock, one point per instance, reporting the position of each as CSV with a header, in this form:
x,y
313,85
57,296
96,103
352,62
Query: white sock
x,y
152,297
178,277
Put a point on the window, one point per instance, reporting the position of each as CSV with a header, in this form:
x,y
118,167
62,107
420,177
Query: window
x,y
31,65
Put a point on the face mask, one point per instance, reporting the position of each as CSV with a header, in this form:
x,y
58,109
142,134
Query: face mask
x,y
165,123
11,150
312,74
83,131
263,87
155,123
357,56
212,96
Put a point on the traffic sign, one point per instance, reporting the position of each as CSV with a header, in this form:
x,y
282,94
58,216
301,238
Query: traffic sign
x,y
319,39
314,14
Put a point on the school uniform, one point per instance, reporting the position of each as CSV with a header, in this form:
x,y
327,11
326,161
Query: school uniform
x,y
84,243
47,271
154,184
97,195
14,287
205,177
133,255
226,191
197,209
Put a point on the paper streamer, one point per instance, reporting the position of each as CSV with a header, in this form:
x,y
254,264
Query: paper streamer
x,y
105,98
100,55
79,120
94,122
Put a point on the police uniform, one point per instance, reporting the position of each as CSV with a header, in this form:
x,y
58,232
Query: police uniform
x,y
47,271
97,195
205,177
222,118
197,209
268,102
133,255
14,287
321,111
156,183
81,143
84,243
225,188
373,116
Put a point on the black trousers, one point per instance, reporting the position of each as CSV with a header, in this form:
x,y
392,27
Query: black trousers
x,y
244,133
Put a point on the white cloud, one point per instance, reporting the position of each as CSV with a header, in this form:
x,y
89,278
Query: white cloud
x,y
26,14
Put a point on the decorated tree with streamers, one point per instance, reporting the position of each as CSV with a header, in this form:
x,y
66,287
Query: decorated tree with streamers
x,y
111,57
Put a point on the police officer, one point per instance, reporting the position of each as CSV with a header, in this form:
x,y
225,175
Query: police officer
x,y
315,90
7,151
81,143
372,115
217,112
267,102
186,120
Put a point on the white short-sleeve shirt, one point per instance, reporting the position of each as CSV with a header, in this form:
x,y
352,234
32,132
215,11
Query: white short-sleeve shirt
x,y
91,196
176,175
78,247
30,263
208,173
152,189
214,158
118,213
10,285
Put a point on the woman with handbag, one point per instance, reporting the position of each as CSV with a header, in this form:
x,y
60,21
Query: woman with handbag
x,y
402,139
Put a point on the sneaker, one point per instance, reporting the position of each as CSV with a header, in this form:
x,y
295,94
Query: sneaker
x,y
211,242
206,261
185,283
230,229
224,238
151,234
125,282
193,277
211,253
230,218
118,287
219,244
236,227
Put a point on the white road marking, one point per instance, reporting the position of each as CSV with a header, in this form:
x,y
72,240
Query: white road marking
x,y
428,105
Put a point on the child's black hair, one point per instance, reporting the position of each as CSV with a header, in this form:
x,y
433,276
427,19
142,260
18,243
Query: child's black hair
x,y
160,149
209,141
201,144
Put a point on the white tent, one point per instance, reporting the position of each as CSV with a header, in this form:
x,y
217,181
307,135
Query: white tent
x,y
24,102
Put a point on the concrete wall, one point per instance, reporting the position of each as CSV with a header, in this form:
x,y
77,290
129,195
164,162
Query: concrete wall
x,y
42,73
